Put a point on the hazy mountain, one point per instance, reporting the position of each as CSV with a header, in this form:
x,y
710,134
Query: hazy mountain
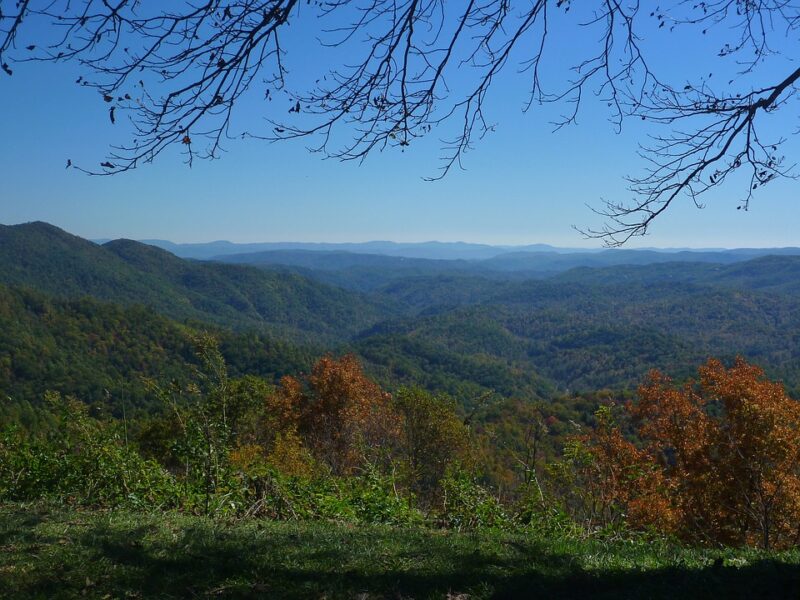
x,y
337,259
765,273
366,272
351,270
432,250
533,257
558,262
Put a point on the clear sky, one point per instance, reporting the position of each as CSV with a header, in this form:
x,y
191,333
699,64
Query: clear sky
x,y
522,184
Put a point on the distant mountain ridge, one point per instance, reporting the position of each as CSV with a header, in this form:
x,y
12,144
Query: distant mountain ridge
x,y
434,250
430,250
368,272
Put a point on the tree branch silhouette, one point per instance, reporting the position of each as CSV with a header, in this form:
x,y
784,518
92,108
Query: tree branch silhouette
x,y
178,71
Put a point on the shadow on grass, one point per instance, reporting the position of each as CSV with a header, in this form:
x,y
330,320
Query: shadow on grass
x,y
202,559
22,525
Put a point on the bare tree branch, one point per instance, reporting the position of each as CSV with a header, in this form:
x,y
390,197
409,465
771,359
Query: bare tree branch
x,y
177,70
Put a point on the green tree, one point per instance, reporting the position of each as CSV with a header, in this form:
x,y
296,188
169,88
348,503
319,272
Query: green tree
x,y
434,437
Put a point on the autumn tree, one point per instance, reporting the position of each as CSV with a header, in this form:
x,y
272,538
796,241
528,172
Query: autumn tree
x,y
344,417
267,434
605,480
728,453
394,71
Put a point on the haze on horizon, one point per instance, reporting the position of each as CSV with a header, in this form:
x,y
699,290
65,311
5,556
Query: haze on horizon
x,y
543,246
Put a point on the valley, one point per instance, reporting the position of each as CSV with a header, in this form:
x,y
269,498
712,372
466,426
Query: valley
x,y
456,326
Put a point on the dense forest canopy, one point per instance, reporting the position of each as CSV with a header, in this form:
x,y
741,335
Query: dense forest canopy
x,y
68,301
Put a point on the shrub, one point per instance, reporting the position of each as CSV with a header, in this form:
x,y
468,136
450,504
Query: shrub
x,y
468,505
84,461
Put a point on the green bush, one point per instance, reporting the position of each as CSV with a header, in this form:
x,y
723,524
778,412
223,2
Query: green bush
x,y
375,499
83,461
468,505
370,498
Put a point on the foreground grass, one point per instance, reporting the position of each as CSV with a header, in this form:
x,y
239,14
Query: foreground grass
x,y
49,552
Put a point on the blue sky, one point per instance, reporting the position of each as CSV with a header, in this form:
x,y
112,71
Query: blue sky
x,y
522,184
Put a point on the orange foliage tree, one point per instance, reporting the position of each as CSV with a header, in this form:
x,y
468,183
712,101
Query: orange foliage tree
x,y
605,479
269,430
344,416
728,451
343,419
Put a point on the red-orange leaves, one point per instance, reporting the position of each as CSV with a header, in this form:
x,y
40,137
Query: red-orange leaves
x,y
728,450
344,415
335,417
755,455
619,480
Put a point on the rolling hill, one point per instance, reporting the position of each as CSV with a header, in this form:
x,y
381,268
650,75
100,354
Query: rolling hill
x,y
102,352
587,337
47,259
367,272
442,324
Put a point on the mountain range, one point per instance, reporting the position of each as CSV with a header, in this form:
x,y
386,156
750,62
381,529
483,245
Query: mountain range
x,y
48,259
364,271
430,250
532,324
435,250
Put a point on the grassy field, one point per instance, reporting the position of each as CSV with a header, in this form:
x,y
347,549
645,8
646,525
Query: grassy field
x,y
49,552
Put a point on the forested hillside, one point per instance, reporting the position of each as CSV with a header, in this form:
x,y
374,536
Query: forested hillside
x,y
45,258
402,393
583,338
103,353
448,330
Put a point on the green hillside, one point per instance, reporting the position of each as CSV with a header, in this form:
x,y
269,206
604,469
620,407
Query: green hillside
x,y
772,273
102,352
585,336
43,257
579,331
